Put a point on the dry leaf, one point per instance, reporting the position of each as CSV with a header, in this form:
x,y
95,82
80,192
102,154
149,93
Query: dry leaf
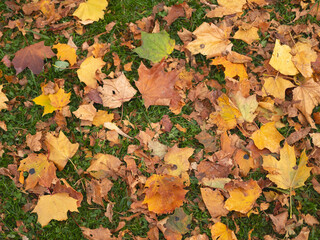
x,y
276,86
214,202
66,52
219,231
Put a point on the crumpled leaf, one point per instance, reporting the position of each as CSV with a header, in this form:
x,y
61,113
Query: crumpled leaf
x,y
231,69
100,233
66,52
276,86
219,231
116,91
211,41
247,35
32,57
281,59
155,46
3,99
113,126
303,55
55,206
242,196
104,165
308,96
86,112
88,69
164,193
157,86
267,137
40,171
60,149
286,173
91,10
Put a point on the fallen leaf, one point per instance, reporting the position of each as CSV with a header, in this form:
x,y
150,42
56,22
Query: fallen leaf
x,y
40,171
219,231
157,86
3,99
86,112
279,221
33,141
308,97
101,117
88,69
281,59
175,12
100,233
247,106
179,159
155,46
66,52
116,91
285,172
104,165
267,137
303,55
55,206
214,202
232,70
304,234
276,86
60,149
32,57
113,126
245,162
211,41
96,190
91,10
164,193
247,35
242,196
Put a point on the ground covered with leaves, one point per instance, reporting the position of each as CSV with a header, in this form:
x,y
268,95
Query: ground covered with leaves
x,y
159,119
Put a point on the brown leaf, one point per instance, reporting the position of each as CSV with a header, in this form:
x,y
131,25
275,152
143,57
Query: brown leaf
x,y
157,86
175,12
296,136
214,202
279,222
33,141
100,233
32,57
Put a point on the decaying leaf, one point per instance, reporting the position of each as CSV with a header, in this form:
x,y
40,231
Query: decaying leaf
x,y
116,91
55,206
3,99
104,165
155,46
214,202
286,173
100,233
164,193
32,57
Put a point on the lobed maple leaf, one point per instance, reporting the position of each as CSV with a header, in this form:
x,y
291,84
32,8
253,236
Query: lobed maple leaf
x,y
286,173
231,69
157,86
276,86
155,46
91,10
164,193
55,206
32,57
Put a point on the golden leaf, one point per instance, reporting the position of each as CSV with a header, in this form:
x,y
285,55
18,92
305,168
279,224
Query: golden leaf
x,y
3,98
286,173
276,87
91,10
55,206
267,137
60,149
247,35
66,52
219,231
231,69
101,117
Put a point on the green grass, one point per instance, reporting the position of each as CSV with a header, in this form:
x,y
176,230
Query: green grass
x,y
21,121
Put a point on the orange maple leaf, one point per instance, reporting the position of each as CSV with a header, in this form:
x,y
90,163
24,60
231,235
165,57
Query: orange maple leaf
x,y
164,193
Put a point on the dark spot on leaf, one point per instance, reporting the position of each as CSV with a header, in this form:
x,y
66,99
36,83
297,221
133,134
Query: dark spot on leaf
x,y
189,226
295,167
246,156
113,92
32,171
202,45
176,218
174,167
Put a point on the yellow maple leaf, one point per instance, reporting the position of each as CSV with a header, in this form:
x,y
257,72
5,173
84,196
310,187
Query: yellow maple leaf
x,y
66,52
101,117
303,55
247,35
276,86
281,59
60,149
286,173
227,117
87,71
59,99
226,7
40,171
211,41
3,98
243,197
44,100
307,96
91,10
219,231
55,206
231,69
267,137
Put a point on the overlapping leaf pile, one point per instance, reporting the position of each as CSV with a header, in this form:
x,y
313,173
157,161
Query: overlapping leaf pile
x,y
241,117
